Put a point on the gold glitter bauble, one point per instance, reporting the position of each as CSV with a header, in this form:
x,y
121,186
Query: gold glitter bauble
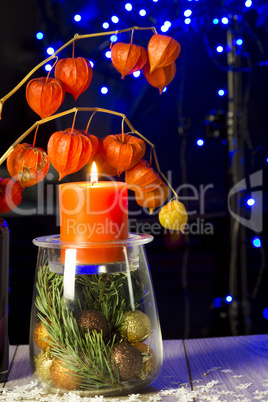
x,y
63,377
43,363
128,360
136,327
40,335
92,320
148,358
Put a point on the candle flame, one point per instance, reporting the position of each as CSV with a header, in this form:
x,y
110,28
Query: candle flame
x,y
94,173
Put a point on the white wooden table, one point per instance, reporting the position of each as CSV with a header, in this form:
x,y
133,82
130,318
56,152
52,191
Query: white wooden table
x,y
224,369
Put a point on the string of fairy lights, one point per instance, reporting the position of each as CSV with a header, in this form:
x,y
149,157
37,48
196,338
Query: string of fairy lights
x,y
188,18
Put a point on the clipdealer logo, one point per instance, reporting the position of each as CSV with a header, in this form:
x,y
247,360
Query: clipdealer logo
x,y
255,222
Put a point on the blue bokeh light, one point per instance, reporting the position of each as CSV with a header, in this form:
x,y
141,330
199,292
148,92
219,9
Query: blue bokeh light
x,y
113,38
225,20
265,313
256,242
239,42
219,49
217,302
108,54
105,25
164,90
167,24
50,50
248,3
221,92
77,17
136,74
48,67
114,19
228,299
128,6
142,12
200,142
187,13
250,202
187,21
104,90
39,35
215,21
164,28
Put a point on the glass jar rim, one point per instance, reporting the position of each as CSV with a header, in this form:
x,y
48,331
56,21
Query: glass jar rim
x,y
54,241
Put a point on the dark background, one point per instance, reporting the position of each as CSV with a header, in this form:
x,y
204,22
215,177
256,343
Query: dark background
x,y
190,273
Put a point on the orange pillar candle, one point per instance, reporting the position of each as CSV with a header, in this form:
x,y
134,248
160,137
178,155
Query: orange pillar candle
x,y
95,212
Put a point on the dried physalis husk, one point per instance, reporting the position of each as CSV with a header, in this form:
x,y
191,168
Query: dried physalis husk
x,y
75,74
123,151
128,58
162,50
173,216
68,151
45,95
10,195
152,199
28,165
142,176
160,77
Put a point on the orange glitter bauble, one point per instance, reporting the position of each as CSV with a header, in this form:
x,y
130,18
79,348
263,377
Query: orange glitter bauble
x,y
41,336
63,377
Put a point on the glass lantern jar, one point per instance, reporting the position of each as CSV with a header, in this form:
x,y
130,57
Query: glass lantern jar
x,y
94,327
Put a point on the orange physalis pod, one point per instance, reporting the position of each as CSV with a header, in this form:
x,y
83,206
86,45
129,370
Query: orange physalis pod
x,y
123,151
27,165
160,77
152,199
173,216
128,58
142,176
68,151
75,74
162,50
44,95
10,195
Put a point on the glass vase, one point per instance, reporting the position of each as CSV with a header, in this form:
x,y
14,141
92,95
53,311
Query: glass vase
x,y
94,327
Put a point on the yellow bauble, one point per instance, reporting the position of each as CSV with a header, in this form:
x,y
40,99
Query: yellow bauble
x,y
136,326
173,216
43,363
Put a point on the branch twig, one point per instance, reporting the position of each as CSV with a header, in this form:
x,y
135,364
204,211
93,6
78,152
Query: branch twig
x,y
75,110
76,37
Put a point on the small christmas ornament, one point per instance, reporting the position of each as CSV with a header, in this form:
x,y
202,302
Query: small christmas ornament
x,y
41,336
136,327
43,363
62,377
128,360
92,320
148,358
